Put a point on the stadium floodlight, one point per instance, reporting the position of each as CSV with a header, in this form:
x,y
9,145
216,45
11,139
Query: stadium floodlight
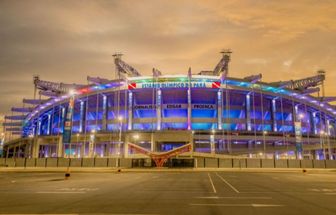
x,y
120,118
301,116
136,136
72,92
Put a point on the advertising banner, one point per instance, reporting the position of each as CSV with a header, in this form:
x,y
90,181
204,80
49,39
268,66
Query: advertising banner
x,y
68,122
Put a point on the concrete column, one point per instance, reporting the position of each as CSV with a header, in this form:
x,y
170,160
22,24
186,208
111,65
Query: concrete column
x,y
220,109
189,108
82,117
91,145
130,111
60,147
104,118
36,147
248,112
158,109
273,115
82,149
126,155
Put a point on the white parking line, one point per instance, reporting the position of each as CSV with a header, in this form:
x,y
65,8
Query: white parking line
x,y
238,205
212,184
234,197
60,192
226,182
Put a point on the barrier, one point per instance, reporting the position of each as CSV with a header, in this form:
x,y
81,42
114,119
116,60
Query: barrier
x,y
319,164
111,162
20,162
10,162
225,163
51,162
31,162
281,163
267,163
331,164
199,162
75,162
294,164
100,162
211,163
41,162
2,162
253,163
126,162
63,162
306,163
239,163
88,162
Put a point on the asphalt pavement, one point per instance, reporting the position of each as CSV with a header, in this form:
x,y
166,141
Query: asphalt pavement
x,y
206,192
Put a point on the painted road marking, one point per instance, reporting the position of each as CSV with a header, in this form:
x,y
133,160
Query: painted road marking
x,y
212,184
60,192
234,197
226,182
238,205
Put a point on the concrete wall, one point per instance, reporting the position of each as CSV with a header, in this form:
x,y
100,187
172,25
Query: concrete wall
x,y
30,162
112,162
319,163
10,162
211,163
201,163
2,162
225,163
41,162
331,164
306,163
88,162
20,162
294,164
281,163
239,163
63,162
267,163
253,163
51,162
125,162
75,162
101,162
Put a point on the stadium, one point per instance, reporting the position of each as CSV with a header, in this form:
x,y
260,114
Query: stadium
x,y
207,113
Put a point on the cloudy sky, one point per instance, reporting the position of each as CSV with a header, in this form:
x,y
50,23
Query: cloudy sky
x,y
67,40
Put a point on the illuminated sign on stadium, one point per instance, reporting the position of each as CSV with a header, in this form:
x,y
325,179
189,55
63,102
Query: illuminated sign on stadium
x,y
176,106
174,85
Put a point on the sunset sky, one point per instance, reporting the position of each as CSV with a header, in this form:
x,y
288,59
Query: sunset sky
x,y
64,41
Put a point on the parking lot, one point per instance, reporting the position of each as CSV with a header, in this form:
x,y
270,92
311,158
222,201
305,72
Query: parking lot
x,y
205,192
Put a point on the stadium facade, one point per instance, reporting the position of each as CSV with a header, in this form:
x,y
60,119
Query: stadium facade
x,y
215,114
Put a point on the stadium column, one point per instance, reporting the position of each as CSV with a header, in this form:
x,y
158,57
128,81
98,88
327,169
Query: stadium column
x,y
49,124
130,111
219,109
248,112
82,116
158,109
104,113
60,140
273,109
